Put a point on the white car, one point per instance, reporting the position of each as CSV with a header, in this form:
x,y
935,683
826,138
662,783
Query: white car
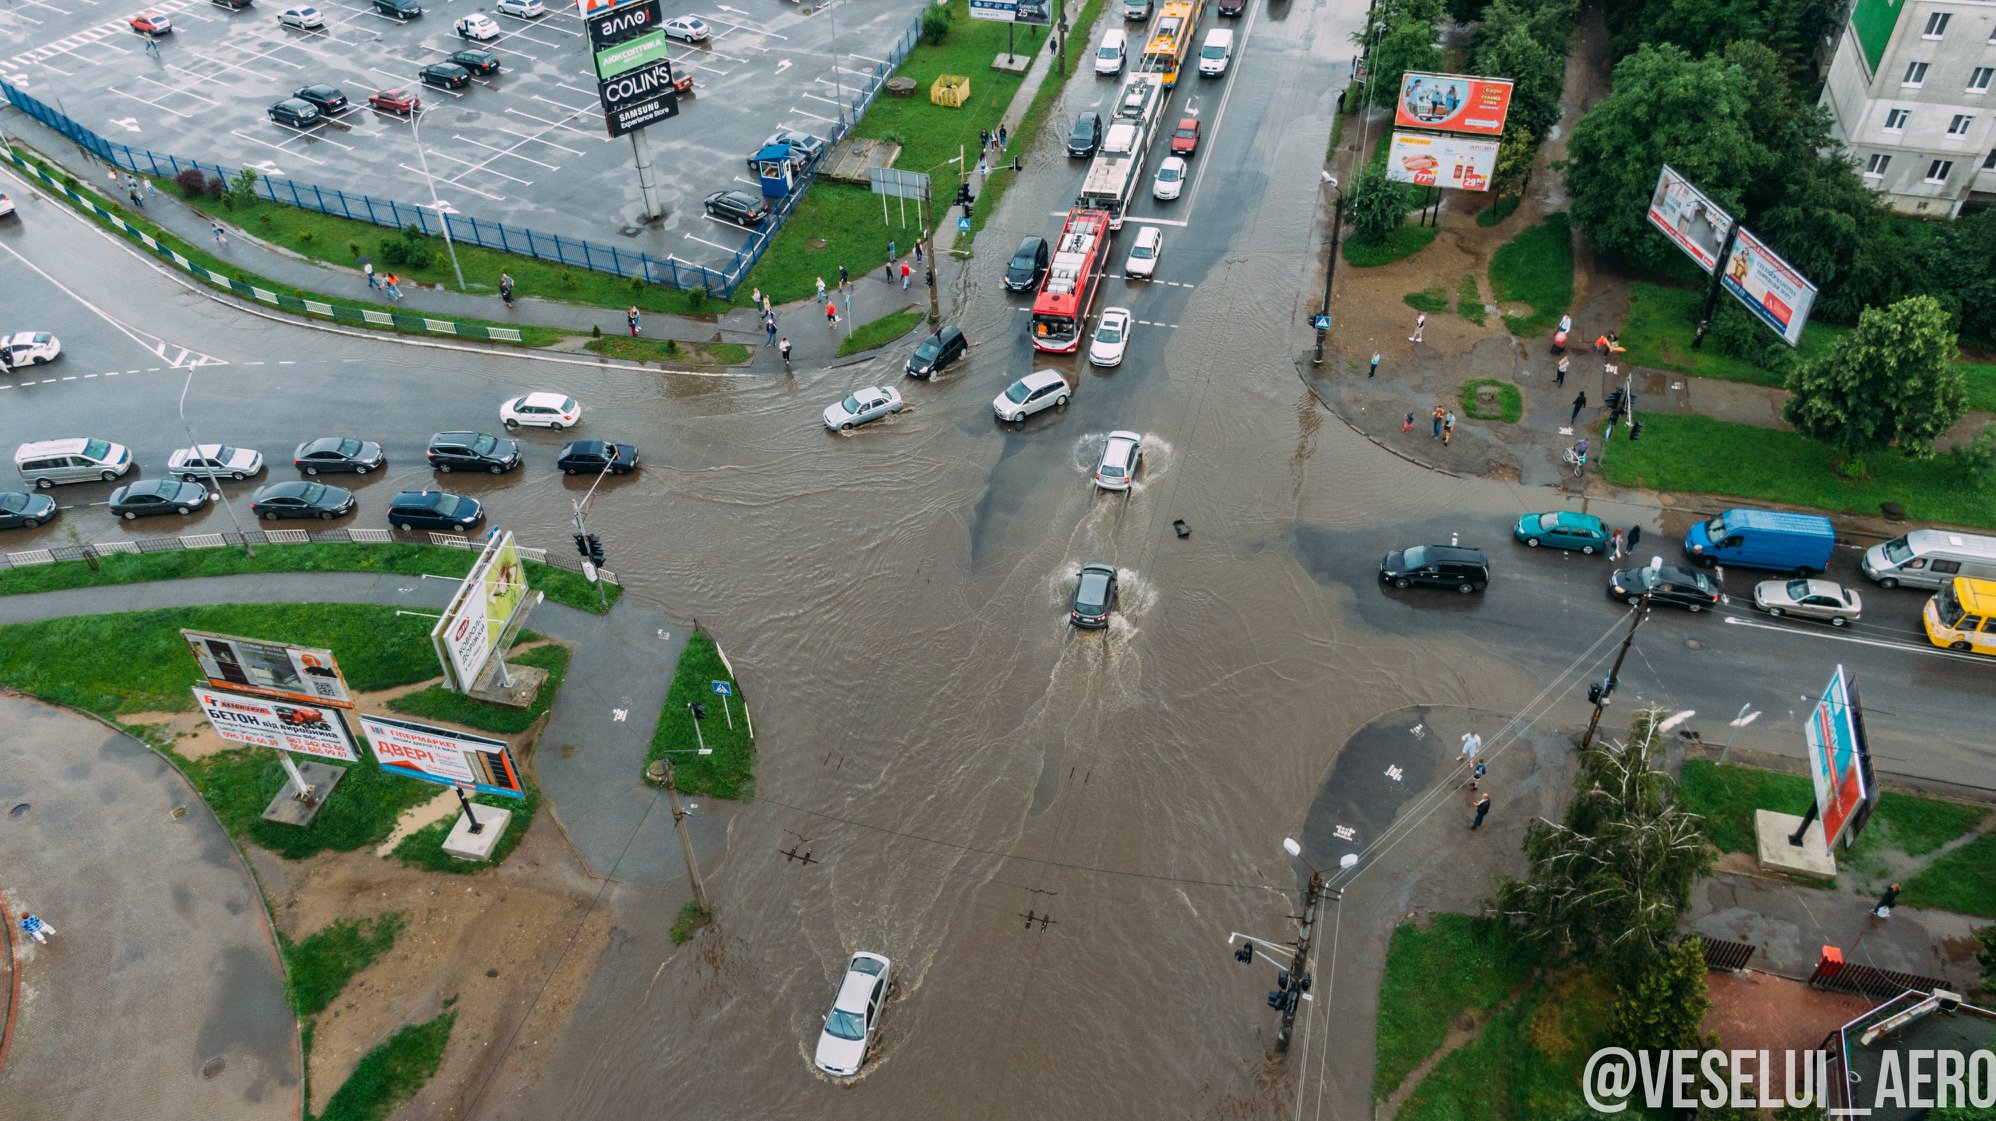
x,y
1120,458
28,348
6,206
541,410
861,405
1109,57
521,9
1142,261
214,461
307,19
477,27
689,28
1170,179
855,1015
1041,389
1112,337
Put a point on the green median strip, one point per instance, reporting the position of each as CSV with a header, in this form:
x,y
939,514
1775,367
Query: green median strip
x,y
392,1073
880,332
628,349
318,966
728,771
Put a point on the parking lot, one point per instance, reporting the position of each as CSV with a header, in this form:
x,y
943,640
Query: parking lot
x,y
525,145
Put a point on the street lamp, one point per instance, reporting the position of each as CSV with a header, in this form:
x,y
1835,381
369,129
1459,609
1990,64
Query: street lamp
x,y
436,203
1300,979
248,547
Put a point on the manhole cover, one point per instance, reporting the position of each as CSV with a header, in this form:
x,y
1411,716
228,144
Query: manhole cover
x,y
18,810
1693,644
631,231
212,1067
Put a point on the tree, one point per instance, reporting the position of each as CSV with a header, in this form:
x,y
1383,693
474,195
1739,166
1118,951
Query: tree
x,y
1373,205
1986,938
1401,34
1516,153
1663,1008
1612,879
1886,384
1537,70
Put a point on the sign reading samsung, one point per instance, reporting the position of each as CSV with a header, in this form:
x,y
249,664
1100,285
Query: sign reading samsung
x,y
638,98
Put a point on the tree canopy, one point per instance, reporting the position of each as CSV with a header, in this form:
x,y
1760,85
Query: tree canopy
x,y
1887,384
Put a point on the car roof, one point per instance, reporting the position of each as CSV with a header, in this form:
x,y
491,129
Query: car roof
x,y
1188,122
1456,553
1042,377
286,489
428,499
1150,235
1576,520
545,398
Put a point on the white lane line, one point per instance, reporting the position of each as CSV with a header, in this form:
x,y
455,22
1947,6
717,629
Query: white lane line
x,y
1833,635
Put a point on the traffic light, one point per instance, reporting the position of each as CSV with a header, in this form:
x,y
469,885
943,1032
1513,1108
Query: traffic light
x,y
1302,982
582,545
1635,431
1282,980
969,211
595,544
1290,1000
1244,955
1614,402
1594,694
699,710
1275,999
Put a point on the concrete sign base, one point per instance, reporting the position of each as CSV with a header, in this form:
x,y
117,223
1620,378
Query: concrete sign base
x,y
466,845
526,686
289,809
1772,831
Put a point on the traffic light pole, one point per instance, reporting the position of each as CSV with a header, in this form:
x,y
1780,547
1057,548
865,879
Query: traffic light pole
x,y
587,543
1615,674
1311,895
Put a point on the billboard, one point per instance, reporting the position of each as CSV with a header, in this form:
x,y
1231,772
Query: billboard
x,y
1453,103
480,610
1689,219
633,72
1769,287
269,669
443,756
1838,762
614,24
1038,13
619,58
308,730
1456,162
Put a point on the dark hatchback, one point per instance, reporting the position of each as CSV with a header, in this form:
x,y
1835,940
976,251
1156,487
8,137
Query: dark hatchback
x,y
477,60
21,510
434,509
937,352
329,99
592,457
399,9
1670,583
1086,137
338,453
1094,596
1029,265
296,112
1437,566
445,75
300,499
473,451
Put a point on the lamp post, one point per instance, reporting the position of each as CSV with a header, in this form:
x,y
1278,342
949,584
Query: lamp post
x,y
1330,267
1299,979
436,203
929,234
193,443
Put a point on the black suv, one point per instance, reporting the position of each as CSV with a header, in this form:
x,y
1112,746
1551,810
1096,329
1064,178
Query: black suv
x,y
329,99
1437,566
1086,137
399,9
590,457
473,451
734,206
1029,265
937,352
434,509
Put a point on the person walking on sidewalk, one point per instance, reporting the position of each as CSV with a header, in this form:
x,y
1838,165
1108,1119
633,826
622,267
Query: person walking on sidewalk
x,y
1482,808
222,235
506,288
393,287
366,270
1471,744
1448,428
152,44
1437,416
1476,774
1883,908
1374,371
769,328
631,318
1579,403
918,252
831,315
845,280
1559,378
36,927
1409,425
1420,327
1003,138
906,272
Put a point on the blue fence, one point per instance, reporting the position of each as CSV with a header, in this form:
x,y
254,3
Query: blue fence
x,y
468,230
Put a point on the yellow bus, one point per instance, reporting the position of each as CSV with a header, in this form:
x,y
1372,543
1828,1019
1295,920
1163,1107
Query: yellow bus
x,y
1962,616
1177,22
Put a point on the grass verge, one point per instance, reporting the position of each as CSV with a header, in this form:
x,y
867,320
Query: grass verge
x,y
318,967
881,331
1527,1059
1458,963
1963,881
1981,381
439,703
1535,268
425,847
729,771
561,586
1663,321
1432,301
1506,405
1404,241
668,350
1469,300
1498,211
392,1073
1695,453
688,921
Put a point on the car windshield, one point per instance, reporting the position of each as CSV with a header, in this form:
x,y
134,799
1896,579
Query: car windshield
x,y
225,454
484,445
845,1025
13,502
1415,557
1716,528
1167,175
1017,393
97,449
1109,333
349,447
1898,551
850,404
448,505
1143,253
1798,589
1185,134
1023,261
1213,50
312,493
929,348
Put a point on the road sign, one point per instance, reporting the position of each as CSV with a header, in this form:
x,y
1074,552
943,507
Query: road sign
x,y
1321,322
963,223
723,689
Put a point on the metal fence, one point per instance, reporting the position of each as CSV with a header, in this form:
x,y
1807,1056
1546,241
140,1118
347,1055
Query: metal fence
x,y
91,554
569,252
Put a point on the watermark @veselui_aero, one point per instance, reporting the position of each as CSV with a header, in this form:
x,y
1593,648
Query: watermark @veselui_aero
x,y
1913,1078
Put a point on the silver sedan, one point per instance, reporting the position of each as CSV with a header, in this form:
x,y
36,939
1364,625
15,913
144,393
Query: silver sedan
x,y
1810,599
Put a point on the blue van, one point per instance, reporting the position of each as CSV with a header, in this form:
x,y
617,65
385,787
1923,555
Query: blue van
x,y
1798,543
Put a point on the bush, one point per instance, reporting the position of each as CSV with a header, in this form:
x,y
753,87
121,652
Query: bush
x,y
1735,333
1975,459
935,24
410,250
192,181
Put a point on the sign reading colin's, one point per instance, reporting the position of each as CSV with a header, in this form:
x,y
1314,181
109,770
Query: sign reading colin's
x,y
639,98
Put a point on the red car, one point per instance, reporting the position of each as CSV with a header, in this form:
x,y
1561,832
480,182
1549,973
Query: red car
x,y
1185,138
151,23
397,100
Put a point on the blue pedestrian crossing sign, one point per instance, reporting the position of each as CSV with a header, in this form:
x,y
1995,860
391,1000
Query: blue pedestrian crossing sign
x,y
963,223
724,689
1321,322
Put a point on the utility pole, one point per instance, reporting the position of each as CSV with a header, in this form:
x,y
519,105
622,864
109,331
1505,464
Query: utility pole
x,y
1330,269
929,235
1598,692
685,841
1299,980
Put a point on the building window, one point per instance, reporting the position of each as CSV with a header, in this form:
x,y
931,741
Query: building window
x,y
1959,126
1939,170
1978,79
1895,119
1916,73
1989,164
1936,26
1876,165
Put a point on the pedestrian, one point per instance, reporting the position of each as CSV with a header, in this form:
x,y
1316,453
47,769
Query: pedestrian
x,y
784,348
136,200
918,252
222,236
1003,138
983,169
755,298
1883,908
36,927
366,267
393,288
983,139
152,44
1476,776
1448,428
1482,807
890,270
765,303
906,272
769,328
1615,545
1437,416
1374,372
845,279
1579,403
1409,425
506,288
1559,379
1635,538
891,252
821,287
1471,744
1420,327
631,317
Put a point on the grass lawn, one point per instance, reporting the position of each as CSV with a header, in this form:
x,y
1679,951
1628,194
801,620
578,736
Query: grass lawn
x,y
424,848
561,585
1662,322
392,1073
1404,241
1526,1062
1695,453
318,966
668,350
1508,406
1907,823
1981,381
1459,963
439,703
1432,301
1535,268
729,771
1963,881
880,332
1498,211
1469,300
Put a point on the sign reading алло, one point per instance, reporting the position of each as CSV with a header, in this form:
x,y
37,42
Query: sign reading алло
x,y
308,730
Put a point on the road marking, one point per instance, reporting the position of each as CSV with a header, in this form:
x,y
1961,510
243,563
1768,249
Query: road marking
x,y
1883,644
782,66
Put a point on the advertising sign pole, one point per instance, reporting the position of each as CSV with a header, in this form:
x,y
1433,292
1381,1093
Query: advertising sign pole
x,y
476,825
647,179
298,783
1712,291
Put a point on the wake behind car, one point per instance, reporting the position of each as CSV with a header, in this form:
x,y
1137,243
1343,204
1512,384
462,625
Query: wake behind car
x,y
855,1015
593,457
434,509
329,99
1437,566
1809,599
1094,596
1666,583
338,453
861,405
936,352
300,499
541,410
296,112
29,348
473,451
738,207
1563,529
214,461
157,496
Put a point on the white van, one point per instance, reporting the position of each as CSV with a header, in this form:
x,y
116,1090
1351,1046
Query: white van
x,y
1213,55
1931,558
1109,56
48,462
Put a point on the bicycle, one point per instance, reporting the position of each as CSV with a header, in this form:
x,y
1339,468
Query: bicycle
x,y
1578,460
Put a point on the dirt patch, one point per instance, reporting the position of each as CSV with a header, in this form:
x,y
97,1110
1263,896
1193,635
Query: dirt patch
x,y
1755,1011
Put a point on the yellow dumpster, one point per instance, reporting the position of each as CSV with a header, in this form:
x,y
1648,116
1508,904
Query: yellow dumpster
x,y
950,91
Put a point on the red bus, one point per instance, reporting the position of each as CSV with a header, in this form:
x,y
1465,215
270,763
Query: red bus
x,y
1061,308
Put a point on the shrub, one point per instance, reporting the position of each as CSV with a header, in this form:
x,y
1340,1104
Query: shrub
x,y
1974,460
1737,334
192,181
245,188
935,24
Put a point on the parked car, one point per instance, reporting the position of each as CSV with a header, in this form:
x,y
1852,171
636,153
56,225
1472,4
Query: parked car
x,y
520,9
592,457
541,410
738,207
300,499
73,459
473,451
861,405
29,348
855,1015
1041,389
1136,9
296,112
1231,8
399,99
215,461
303,18
1094,596
687,28
151,23
1170,179
404,10
1809,599
6,205
1437,566
329,99
1776,539
805,149
477,26
1563,529
21,510
434,509
157,496
338,453
1666,583
1120,458
477,60
445,75
1086,135
936,352
1109,57
1029,265
1112,337
1142,261
1185,137
231,5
